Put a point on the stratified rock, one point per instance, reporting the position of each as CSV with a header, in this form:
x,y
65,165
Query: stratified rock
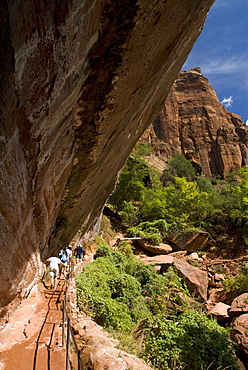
x,y
158,249
100,350
159,260
194,122
80,82
196,279
239,305
239,333
191,241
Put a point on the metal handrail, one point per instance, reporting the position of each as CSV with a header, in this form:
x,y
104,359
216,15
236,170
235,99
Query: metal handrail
x,y
66,322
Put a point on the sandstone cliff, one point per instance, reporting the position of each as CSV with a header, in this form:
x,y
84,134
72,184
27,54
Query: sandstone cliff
x,y
193,122
80,81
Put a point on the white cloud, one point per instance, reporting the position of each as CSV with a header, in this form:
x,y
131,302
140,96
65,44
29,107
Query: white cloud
x,y
227,102
222,65
246,122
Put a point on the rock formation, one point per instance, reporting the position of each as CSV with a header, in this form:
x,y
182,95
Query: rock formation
x,y
80,81
193,122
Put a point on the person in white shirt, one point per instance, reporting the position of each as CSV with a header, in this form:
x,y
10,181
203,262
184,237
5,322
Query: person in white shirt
x,y
69,255
54,263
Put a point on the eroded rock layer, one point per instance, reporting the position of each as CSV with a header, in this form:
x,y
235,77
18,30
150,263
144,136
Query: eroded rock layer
x,y
80,81
193,122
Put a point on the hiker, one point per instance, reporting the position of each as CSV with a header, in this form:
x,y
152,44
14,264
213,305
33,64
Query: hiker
x,y
64,258
69,255
54,263
79,251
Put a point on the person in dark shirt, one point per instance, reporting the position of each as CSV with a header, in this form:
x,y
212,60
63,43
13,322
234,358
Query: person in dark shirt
x,y
79,252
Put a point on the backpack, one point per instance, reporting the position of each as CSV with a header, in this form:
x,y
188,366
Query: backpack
x,y
63,257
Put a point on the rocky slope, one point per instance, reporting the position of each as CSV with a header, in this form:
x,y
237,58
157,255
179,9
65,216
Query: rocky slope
x,y
80,81
193,122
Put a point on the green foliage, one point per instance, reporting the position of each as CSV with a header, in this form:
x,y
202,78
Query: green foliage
x,y
154,205
129,213
112,296
184,201
240,194
237,284
117,282
152,232
178,166
124,295
244,268
131,186
190,341
142,149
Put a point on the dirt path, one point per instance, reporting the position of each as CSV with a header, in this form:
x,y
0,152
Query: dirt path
x,y
32,338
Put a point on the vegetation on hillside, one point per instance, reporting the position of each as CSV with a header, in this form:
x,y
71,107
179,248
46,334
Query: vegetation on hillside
x,y
154,206
151,312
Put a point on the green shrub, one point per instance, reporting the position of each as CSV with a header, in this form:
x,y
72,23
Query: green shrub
x,y
122,293
152,232
112,296
238,284
190,341
178,166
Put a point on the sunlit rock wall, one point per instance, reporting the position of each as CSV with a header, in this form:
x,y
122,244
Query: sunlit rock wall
x,y
192,121
80,81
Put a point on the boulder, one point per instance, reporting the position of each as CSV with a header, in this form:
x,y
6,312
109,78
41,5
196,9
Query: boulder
x,y
100,350
191,241
158,249
239,333
220,310
239,305
159,260
194,256
196,279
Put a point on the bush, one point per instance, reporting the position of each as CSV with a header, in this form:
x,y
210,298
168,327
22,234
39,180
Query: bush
x,y
108,293
152,232
178,166
238,284
190,341
122,293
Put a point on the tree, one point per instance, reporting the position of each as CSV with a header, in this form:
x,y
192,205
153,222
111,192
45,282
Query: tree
x,y
178,166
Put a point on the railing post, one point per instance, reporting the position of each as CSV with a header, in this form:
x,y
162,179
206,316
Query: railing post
x,y
63,325
68,344
79,359
66,319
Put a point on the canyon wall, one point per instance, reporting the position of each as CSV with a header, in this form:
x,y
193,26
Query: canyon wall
x,y
80,82
193,122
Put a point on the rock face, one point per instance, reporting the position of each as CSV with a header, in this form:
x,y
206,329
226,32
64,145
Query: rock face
x,y
80,81
196,279
239,305
220,310
158,249
193,122
239,333
190,241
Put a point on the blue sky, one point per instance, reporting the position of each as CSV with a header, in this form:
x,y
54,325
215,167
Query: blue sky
x,y
221,51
